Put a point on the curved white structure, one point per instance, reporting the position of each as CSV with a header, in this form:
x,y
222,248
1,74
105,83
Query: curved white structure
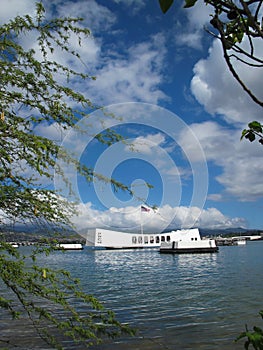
x,y
101,238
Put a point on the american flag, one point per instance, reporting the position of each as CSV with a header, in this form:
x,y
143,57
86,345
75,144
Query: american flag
x,y
144,208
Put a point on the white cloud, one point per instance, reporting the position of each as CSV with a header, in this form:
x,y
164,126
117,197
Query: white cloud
x,y
216,197
217,91
95,16
213,139
192,29
148,144
215,88
240,162
133,77
242,178
213,218
192,39
199,14
12,8
134,6
158,153
53,131
131,218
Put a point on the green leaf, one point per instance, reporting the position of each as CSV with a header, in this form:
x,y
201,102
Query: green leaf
x,y
189,3
244,132
229,42
258,330
250,136
239,36
165,5
256,126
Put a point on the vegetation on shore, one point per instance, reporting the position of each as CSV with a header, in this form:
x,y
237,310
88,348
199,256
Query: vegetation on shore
x,y
36,91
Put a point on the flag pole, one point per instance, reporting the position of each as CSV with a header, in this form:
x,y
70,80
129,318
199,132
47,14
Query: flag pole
x,y
143,209
141,221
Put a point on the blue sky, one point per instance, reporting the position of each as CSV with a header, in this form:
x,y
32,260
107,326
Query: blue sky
x,y
182,114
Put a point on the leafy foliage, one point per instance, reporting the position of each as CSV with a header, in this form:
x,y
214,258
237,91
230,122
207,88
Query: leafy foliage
x,y
255,130
29,95
189,3
35,90
254,338
44,294
165,5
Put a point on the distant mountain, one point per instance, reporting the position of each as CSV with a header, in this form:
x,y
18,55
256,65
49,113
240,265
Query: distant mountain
x,y
234,231
229,232
31,233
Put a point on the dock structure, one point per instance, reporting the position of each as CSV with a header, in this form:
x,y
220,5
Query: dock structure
x,y
248,238
228,241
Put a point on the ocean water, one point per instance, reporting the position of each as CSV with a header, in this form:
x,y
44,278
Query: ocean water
x,y
190,301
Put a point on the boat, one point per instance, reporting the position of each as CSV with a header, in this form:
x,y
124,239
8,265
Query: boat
x,y
240,241
189,241
14,244
70,246
186,246
110,239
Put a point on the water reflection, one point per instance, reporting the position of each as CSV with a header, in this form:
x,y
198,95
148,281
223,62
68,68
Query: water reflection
x,y
169,297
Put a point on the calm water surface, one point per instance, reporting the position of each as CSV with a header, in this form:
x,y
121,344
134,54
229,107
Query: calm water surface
x,y
195,301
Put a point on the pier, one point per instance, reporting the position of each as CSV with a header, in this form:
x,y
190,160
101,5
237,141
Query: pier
x,y
227,241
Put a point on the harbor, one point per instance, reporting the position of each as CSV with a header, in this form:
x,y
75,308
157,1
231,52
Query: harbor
x,y
166,297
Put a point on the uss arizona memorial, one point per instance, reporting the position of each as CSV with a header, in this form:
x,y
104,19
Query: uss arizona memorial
x,y
179,241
